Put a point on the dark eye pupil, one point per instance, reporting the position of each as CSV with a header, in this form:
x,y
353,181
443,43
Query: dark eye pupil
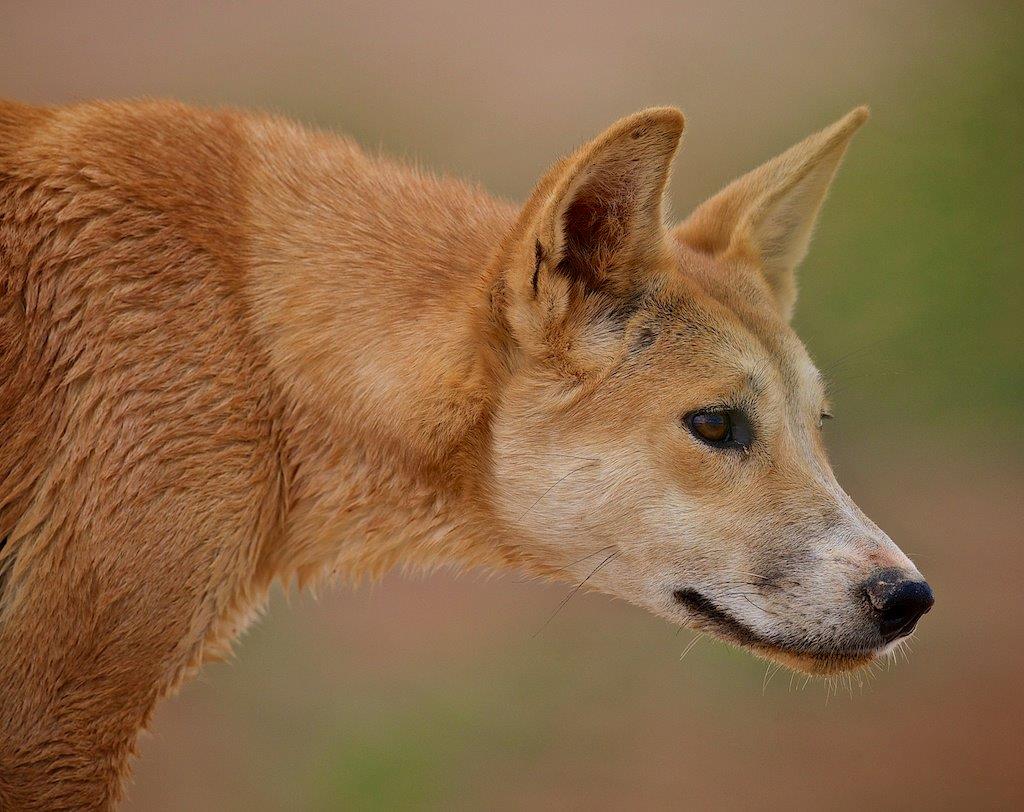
x,y
712,426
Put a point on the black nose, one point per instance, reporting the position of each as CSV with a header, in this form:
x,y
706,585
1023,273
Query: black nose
x,y
898,602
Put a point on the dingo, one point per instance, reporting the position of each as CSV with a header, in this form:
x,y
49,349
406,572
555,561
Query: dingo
x,y
234,351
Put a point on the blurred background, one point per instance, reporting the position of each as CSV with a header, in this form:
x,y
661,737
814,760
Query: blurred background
x,y
435,693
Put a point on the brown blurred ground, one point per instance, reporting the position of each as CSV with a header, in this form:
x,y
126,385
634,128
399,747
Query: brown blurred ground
x,y
435,693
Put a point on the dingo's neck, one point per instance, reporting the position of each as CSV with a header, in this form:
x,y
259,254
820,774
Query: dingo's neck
x,y
369,286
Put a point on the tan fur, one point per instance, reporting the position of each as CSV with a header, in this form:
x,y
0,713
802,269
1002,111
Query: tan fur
x,y
233,350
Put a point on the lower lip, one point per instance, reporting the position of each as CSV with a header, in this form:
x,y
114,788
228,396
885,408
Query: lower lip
x,y
733,629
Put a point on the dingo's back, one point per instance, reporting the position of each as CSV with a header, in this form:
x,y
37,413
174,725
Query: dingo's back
x,y
137,417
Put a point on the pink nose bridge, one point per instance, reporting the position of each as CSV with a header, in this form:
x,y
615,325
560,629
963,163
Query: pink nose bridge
x,y
874,550
879,551
870,543
890,556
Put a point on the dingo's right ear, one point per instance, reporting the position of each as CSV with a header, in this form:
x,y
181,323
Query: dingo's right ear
x,y
594,222
766,216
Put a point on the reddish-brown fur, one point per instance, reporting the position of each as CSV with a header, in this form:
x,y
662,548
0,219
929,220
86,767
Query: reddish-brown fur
x,y
234,351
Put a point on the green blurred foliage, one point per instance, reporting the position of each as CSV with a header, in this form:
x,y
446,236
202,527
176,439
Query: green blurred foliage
x,y
913,295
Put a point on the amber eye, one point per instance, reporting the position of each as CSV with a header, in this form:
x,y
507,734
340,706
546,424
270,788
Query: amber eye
x,y
720,428
715,427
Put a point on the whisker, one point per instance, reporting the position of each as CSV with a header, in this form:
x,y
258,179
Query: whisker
x,y
548,454
689,646
571,564
574,590
746,597
551,488
848,380
846,357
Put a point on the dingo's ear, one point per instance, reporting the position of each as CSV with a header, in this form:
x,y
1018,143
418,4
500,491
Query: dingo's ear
x,y
594,221
766,216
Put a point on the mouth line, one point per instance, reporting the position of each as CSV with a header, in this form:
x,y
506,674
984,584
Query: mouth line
x,y
733,629
700,604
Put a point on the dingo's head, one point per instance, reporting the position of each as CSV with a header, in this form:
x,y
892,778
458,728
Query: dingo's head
x,y
660,435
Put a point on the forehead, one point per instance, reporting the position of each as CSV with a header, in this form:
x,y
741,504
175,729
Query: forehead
x,y
722,317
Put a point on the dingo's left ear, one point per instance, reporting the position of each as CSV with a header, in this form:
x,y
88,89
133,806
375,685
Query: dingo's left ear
x,y
604,207
766,216
593,224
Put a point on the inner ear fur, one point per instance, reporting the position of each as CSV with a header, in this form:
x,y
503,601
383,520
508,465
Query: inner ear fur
x,y
598,214
766,217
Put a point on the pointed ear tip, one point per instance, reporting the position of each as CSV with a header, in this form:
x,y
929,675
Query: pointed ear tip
x,y
671,118
668,119
839,133
856,117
